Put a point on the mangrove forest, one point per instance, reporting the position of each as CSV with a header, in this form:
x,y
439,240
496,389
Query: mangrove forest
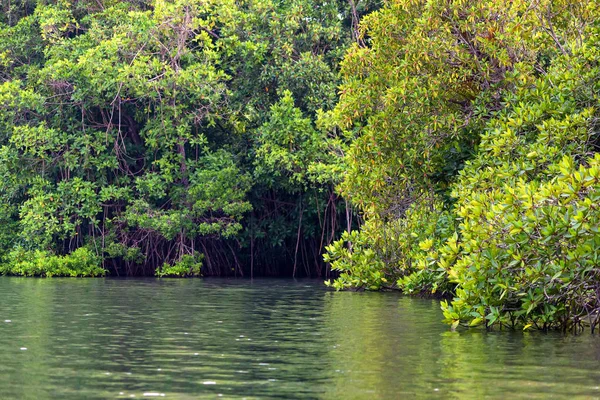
x,y
439,148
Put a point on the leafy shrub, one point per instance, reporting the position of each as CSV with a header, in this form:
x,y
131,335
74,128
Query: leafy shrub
x,y
188,266
81,262
532,257
354,256
521,245
401,251
529,247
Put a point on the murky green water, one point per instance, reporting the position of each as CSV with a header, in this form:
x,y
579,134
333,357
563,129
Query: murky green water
x,y
189,339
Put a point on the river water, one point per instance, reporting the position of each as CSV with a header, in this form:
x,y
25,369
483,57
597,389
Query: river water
x,y
212,338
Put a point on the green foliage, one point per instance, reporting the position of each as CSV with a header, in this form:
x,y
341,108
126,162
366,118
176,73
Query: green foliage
x,y
512,233
360,267
403,250
538,265
288,145
188,266
414,100
81,262
147,129
187,137
528,250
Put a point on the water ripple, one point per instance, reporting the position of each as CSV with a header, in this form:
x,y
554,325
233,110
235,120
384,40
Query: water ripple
x,y
180,339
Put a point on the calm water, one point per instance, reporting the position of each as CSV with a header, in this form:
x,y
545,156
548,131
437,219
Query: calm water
x,y
189,339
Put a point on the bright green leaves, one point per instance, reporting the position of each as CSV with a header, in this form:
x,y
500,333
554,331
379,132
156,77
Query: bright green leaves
x,y
359,265
39,141
146,129
120,104
288,145
81,262
219,188
56,20
213,204
188,266
58,212
528,233
432,73
402,253
511,85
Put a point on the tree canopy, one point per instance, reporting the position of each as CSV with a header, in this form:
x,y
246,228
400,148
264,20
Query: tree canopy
x,y
149,132
470,133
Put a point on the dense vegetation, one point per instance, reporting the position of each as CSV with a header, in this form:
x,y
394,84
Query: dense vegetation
x,y
170,136
474,159
450,147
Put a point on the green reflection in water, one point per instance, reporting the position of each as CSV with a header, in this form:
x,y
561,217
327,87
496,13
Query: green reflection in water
x,y
108,338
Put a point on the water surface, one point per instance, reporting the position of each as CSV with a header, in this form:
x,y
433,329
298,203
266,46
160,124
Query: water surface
x,y
190,339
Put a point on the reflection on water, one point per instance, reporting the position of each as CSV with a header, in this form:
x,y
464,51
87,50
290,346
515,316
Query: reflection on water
x,y
95,338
